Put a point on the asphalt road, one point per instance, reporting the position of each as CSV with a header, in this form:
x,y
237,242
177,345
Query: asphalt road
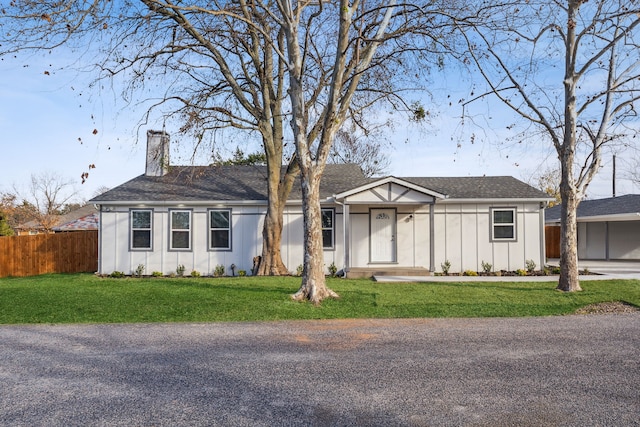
x,y
554,371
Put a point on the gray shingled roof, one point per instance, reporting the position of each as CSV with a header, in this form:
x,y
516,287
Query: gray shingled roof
x,y
480,187
627,204
234,183
222,183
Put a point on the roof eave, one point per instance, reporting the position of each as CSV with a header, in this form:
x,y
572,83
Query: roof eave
x,y
497,200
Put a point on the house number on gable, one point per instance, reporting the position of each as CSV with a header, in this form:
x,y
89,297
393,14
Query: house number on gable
x,y
382,216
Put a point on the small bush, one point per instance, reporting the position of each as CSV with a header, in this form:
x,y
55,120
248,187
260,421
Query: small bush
x,y
445,267
195,273
139,270
117,274
242,273
333,269
299,270
469,273
486,267
218,271
521,272
156,274
180,270
530,265
555,270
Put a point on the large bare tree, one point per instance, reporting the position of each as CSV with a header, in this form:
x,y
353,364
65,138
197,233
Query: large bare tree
x,y
335,50
571,70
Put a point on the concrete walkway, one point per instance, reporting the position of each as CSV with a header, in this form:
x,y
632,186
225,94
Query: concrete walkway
x,y
602,270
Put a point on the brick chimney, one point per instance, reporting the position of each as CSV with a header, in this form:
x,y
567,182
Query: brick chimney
x,y
157,153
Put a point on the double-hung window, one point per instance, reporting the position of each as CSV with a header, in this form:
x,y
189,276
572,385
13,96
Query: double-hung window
x,y
141,221
180,230
503,224
219,229
328,228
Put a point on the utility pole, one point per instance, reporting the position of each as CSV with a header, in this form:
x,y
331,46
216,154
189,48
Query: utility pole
x,y
614,175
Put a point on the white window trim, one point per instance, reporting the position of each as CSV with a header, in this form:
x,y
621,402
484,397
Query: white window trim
x,y
210,229
512,224
189,230
131,230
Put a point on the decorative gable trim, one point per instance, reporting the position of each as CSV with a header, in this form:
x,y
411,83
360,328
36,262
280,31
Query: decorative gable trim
x,y
389,190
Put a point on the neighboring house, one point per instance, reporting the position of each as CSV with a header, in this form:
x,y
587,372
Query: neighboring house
x,y
202,217
84,218
608,229
81,219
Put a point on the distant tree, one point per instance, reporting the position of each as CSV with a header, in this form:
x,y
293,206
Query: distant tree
x,y
100,190
239,158
5,228
368,152
571,71
46,198
549,181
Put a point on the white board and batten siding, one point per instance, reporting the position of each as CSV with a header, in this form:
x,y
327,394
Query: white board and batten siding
x,y
462,235
246,225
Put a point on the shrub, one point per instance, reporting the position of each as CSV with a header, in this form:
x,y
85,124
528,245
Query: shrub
x,y
445,267
180,270
486,267
139,270
469,273
333,269
117,274
195,273
218,271
299,270
521,272
242,273
530,265
156,274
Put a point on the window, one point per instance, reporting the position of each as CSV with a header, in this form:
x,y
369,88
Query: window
x,y
140,220
220,229
503,224
180,230
327,228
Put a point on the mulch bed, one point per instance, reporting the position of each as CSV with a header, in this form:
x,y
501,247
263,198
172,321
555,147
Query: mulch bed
x,y
615,307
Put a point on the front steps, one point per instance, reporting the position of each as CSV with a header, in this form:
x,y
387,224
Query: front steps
x,y
368,272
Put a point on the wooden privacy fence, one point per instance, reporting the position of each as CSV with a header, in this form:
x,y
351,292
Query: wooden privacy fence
x,y
552,241
70,252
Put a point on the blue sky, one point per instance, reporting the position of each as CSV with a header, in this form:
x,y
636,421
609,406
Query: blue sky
x,y
47,123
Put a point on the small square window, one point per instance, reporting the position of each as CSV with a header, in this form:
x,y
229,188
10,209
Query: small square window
x,y
503,224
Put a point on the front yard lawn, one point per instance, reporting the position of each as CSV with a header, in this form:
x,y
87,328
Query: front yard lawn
x,y
86,298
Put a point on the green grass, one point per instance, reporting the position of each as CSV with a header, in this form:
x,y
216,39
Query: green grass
x,y
85,298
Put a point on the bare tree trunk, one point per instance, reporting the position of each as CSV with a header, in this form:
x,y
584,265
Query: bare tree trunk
x,y
271,263
568,281
279,188
314,287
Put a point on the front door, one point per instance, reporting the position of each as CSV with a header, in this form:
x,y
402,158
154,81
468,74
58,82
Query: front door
x,y
383,235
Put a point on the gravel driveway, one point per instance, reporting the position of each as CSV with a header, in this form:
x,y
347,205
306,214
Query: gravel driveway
x,y
552,371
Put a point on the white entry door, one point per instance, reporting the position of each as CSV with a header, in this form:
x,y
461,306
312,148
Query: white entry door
x,y
383,235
